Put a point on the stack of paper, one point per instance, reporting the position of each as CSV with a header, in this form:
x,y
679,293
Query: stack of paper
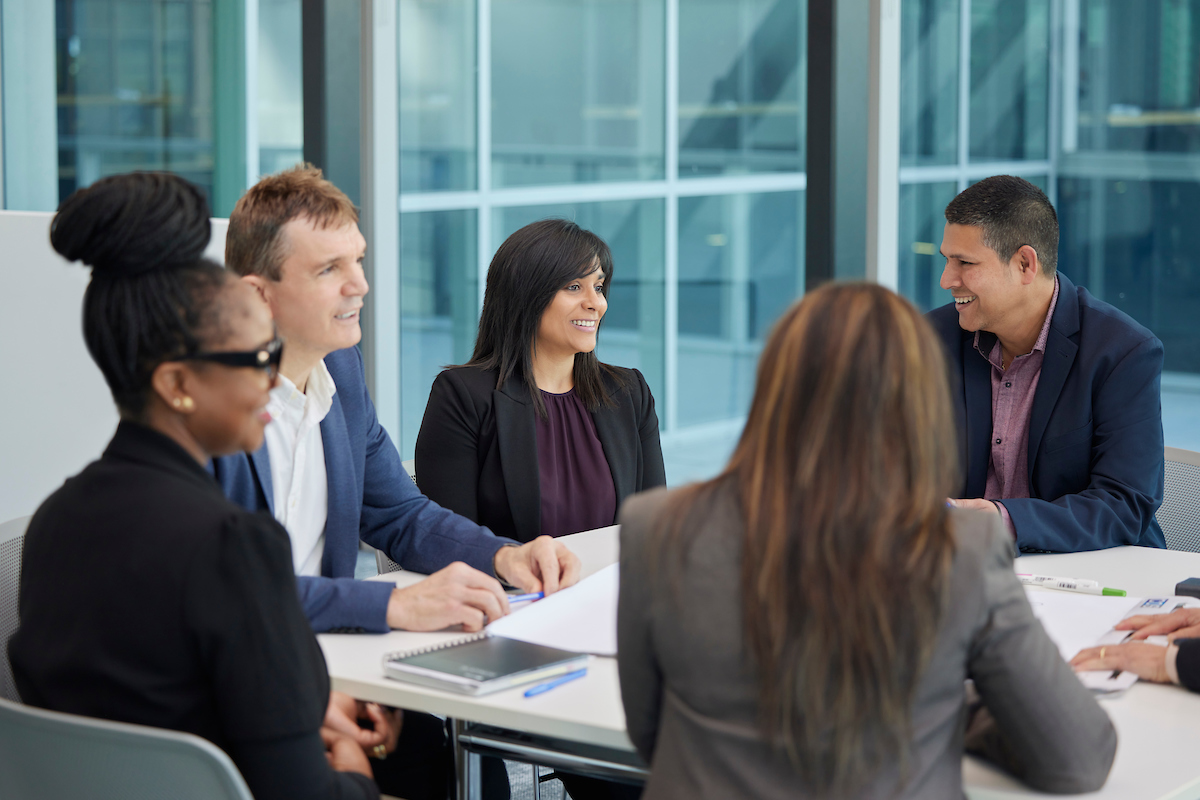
x,y
582,619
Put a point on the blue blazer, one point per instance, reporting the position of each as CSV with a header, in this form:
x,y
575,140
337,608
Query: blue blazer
x,y
370,497
1095,430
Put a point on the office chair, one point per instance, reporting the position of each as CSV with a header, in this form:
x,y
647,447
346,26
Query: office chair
x,y
12,542
382,562
1179,514
49,755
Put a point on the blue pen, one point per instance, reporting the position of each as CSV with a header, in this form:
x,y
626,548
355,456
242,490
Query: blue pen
x,y
521,598
548,685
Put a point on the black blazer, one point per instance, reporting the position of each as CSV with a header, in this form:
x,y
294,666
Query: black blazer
x,y
477,449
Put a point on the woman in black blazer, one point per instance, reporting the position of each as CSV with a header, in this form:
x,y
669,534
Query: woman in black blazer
x,y
146,596
534,436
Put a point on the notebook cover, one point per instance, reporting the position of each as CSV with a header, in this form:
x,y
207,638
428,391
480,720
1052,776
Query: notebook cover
x,y
484,665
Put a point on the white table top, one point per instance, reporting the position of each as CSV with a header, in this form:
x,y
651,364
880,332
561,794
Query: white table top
x,y
1157,726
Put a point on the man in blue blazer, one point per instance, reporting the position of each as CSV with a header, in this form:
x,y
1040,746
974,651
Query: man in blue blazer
x,y
328,471
1056,393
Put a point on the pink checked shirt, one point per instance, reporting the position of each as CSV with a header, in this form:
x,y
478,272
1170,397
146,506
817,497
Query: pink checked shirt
x,y
1012,401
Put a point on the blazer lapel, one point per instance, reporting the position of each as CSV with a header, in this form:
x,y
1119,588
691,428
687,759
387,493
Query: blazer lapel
x,y
516,432
344,495
260,464
1061,349
977,393
618,448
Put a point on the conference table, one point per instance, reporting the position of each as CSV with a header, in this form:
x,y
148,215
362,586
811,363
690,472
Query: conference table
x,y
580,726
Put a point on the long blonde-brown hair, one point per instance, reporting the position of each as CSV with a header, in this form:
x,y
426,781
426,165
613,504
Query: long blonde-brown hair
x,y
842,474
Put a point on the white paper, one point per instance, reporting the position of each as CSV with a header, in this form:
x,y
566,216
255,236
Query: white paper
x,y
1075,621
582,619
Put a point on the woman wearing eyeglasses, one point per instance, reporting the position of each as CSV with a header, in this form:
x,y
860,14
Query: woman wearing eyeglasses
x,y
146,596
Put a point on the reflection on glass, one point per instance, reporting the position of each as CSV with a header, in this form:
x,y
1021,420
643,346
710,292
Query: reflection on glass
x,y
135,90
1135,244
922,220
1010,85
1140,95
929,82
577,91
280,94
437,95
742,80
741,263
439,306
632,332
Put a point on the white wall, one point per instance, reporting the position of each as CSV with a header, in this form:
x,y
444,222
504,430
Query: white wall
x,y
56,413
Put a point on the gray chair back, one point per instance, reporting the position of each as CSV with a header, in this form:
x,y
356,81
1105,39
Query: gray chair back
x,y
382,562
12,543
48,755
1179,514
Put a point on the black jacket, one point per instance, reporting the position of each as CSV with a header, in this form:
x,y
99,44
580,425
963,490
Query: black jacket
x,y
477,449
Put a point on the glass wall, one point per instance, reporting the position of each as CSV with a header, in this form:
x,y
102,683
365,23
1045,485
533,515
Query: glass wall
x,y
148,85
1097,102
693,172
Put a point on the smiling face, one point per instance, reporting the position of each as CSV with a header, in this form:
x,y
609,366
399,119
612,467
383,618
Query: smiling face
x,y
987,291
230,402
569,324
319,295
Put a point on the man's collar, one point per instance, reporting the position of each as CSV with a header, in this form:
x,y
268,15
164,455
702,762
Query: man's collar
x,y
1040,345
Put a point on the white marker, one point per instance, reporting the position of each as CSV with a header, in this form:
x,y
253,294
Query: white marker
x,y
1069,585
1037,580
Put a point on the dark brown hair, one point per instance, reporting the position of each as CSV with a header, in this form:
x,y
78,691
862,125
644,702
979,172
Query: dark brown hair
x,y
526,273
252,245
1012,213
841,475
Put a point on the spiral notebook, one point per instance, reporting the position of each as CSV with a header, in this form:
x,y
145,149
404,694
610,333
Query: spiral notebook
x,y
480,664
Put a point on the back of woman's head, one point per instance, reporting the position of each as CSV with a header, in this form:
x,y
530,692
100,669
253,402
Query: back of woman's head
x,y
842,474
526,273
152,294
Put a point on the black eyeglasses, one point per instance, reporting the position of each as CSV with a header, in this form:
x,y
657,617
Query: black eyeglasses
x,y
265,358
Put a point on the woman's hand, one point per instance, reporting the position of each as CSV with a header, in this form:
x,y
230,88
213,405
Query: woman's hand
x,y
1148,661
345,754
1181,624
342,717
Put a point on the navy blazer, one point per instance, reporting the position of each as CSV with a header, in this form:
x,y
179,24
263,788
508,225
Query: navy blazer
x,y
370,497
1095,430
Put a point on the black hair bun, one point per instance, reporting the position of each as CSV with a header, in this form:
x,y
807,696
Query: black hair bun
x,y
126,225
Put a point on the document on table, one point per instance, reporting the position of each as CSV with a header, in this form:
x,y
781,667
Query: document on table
x,y
582,618
1076,621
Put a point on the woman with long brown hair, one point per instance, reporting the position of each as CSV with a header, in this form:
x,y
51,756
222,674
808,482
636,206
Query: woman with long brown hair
x,y
804,624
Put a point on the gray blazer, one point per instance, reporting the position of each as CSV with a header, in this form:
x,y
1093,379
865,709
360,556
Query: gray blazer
x,y
691,701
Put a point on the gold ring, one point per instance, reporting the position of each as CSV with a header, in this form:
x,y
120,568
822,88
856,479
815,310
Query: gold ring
x,y
379,751
1102,649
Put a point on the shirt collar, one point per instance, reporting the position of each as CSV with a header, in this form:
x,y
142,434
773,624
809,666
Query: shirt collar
x,y
319,392
1040,345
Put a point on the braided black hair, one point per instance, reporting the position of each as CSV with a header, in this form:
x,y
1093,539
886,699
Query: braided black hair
x,y
152,297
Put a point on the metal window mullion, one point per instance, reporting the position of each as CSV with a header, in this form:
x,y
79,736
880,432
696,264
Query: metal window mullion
x,y
964,91
483,106
1055,100
671,218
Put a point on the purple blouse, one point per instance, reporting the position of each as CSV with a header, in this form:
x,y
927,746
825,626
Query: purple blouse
x,y
576,484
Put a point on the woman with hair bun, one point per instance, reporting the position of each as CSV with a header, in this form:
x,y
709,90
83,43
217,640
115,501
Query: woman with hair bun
x,y
145,595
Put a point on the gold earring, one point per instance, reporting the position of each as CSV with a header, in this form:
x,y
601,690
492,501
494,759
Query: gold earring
x,y
188,404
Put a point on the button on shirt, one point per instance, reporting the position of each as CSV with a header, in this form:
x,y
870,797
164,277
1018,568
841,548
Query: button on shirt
x,y
297,453
1013,390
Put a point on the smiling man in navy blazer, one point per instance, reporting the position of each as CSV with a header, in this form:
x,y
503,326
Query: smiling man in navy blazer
x,y
328,471
1056,392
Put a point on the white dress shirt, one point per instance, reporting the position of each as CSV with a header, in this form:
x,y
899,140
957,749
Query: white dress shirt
x,y
297,453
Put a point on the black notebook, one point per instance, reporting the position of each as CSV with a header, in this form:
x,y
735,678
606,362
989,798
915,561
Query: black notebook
x,y
481,664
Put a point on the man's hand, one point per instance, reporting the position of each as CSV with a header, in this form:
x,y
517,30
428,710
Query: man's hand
x,y
1181,624
976,503
456,595
1147,661
543,565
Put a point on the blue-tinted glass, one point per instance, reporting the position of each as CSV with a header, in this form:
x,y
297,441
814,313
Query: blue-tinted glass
x,y
922,219
135,89
1136,81
741,263
280,94
439,306
632,332
929,82
742,80
577,91
1010,85
437,95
